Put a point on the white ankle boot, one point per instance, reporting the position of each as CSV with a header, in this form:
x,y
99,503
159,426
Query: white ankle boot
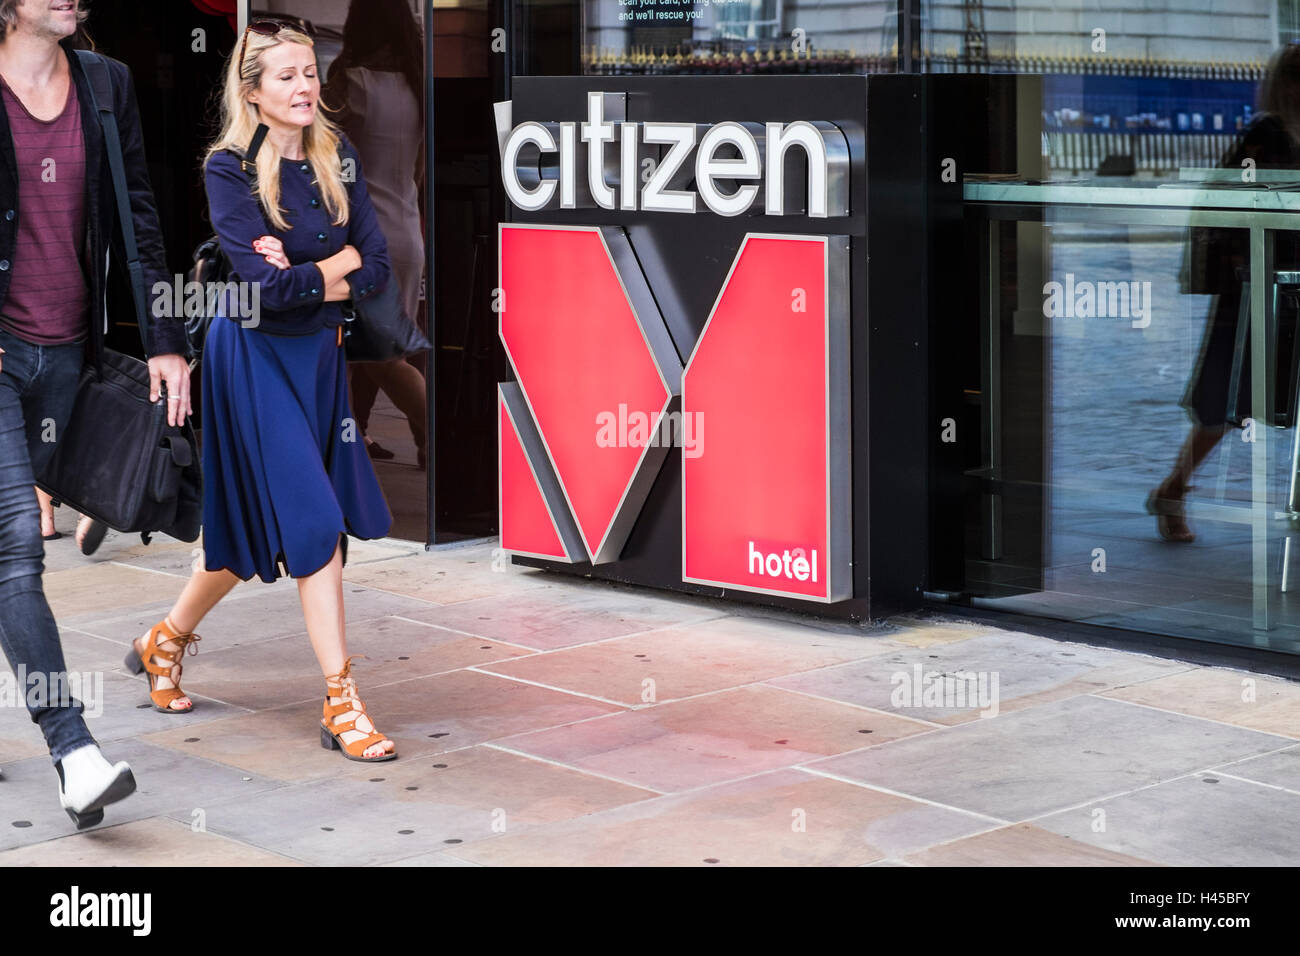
x,y
88,783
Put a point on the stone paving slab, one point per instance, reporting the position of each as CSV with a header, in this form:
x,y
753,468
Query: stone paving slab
x,y
1021,845
1281,769
104,587
1234,697
1234,822
416,806
563,614
714,737
1011,672
284,670
143,843
252,612
167,782
782,818
119,708
1049,757
683,661
548,720
424,716
439,579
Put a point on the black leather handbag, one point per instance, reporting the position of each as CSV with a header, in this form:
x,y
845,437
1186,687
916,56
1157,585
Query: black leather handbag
x,y
377,328
118,460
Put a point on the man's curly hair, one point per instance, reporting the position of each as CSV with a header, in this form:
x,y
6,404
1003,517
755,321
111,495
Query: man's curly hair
x,y
9,16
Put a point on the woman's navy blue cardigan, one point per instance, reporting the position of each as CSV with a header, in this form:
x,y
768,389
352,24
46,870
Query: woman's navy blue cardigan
x,y
292,300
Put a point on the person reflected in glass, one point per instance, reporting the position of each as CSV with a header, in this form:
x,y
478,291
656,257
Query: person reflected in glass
x,y
376,84
1219,264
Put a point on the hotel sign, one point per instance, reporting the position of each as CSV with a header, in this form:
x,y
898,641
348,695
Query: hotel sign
x,y
603,392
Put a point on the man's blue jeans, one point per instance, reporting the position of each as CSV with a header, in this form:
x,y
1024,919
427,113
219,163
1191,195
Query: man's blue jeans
x,y
38,384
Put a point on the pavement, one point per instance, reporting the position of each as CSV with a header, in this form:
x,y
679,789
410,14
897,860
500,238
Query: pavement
x,y
546,720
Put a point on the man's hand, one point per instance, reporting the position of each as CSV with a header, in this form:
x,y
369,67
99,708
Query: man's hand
x,y
175,371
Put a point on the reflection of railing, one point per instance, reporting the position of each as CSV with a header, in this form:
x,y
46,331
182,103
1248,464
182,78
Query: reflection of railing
x,y
1156,151
739,56
734,56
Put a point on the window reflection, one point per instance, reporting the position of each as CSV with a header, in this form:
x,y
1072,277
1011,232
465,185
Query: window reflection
x,y
371,56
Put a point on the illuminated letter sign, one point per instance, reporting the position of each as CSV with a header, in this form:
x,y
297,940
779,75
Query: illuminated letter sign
x,y
765,507
612,173
766,499
588,345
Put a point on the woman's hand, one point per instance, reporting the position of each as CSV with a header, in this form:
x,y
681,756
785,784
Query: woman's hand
x,y
273,250
338,291
354,257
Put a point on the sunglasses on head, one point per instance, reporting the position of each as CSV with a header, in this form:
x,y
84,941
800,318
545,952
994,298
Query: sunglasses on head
x,y
266,28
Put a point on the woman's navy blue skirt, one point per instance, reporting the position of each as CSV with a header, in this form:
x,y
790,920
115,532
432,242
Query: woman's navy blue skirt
x,y
285,469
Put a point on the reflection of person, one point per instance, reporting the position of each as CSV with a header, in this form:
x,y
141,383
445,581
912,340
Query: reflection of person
x,y
52,253
1219,265
284,480
376,83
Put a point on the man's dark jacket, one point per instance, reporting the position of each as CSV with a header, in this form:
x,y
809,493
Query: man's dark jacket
x,y
166,336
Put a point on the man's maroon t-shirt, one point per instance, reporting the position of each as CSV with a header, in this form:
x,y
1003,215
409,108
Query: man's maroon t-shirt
x,y
48,298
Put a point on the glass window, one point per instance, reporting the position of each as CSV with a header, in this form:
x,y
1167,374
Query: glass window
x,y
1137,285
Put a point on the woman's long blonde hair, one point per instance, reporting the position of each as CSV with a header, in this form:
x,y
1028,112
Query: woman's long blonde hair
x,y
240,118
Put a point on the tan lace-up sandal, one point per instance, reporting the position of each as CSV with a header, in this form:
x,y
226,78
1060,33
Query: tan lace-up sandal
x,y
143,663
344,686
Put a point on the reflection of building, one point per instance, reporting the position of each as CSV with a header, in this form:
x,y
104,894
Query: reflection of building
x,y
1244,31
1166,89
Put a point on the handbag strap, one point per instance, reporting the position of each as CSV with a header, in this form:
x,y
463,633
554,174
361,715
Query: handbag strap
x,y
101,96
248,162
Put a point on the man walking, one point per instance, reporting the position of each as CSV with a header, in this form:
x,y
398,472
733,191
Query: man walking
x,y
57,218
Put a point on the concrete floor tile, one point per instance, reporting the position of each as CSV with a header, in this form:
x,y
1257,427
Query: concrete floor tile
x,y
408,808
424,716
706,740
142,843
1021,845
167,783
1048,757
1234,823
1011,672
783,818
285,670
563,614
1234,697
685,661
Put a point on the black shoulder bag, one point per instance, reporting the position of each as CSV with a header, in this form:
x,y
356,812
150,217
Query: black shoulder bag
x,y
118,460
210,264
